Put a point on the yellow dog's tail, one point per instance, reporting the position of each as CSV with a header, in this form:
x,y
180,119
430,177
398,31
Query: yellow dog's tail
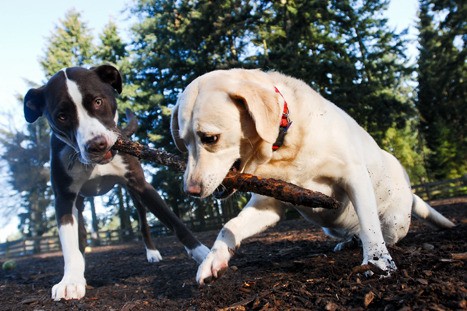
x,y
424,211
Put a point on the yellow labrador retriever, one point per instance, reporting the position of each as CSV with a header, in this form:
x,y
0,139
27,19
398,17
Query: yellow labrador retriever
x,y
272,125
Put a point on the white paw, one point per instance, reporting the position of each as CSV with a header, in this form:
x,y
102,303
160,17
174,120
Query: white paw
x,y
199,253
153,255
69,288
215,264
383,264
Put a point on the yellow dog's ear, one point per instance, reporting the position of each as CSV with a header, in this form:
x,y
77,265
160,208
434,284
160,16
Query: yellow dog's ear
x,y
175,130
181,113
263,106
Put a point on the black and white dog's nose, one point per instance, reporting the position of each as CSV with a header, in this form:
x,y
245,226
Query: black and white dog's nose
x,y
96,145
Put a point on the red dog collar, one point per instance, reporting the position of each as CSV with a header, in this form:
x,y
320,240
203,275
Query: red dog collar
x,y
284,125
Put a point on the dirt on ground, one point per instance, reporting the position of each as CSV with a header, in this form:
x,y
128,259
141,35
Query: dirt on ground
x,y
289,267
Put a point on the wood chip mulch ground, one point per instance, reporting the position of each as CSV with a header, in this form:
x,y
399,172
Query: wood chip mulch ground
x,y
289,267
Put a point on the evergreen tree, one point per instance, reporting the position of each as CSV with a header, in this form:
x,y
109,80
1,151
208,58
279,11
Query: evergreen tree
x,y
111,49
406,145
27,152
177,41
345,50
70,44
442,85
27,155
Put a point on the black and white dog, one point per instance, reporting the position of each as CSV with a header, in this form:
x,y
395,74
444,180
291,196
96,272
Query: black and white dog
x,y
81,109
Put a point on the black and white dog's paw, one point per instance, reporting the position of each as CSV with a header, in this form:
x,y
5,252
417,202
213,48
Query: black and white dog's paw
x,y
153,255
70,287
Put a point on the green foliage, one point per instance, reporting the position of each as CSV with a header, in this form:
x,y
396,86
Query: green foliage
x,y
27,155
344,49
406,145
176,41
70,44
442,85
111,49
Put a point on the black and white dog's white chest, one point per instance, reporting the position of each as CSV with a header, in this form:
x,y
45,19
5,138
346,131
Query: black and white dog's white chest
x,y
93,180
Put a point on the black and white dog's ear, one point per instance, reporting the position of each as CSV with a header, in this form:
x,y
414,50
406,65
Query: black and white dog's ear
x,y
109,74
34,103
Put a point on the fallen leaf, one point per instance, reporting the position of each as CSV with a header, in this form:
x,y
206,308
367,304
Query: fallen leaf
x,y
368,298
241,304
28,301
368,267
459,256
331,306
245,290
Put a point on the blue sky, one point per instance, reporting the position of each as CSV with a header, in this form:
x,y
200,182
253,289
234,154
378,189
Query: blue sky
x,y
24,25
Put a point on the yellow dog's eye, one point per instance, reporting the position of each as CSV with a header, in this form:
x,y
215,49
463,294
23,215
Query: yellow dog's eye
x,y
209,139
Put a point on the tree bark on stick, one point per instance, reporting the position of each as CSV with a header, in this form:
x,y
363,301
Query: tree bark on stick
x,y
278,189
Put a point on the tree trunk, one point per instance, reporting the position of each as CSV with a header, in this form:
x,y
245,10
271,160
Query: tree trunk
x,y
124,215
95,240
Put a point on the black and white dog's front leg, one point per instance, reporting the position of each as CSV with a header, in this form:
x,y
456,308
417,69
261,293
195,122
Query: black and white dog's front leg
x,y
73,284
148,196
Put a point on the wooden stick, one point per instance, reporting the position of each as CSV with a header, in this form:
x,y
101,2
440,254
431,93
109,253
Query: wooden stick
x,y
278,189
143,152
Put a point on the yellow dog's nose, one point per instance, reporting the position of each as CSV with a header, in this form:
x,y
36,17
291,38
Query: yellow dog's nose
x,y
193,188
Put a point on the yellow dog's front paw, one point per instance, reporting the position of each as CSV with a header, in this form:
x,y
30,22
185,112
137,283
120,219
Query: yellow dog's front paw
x,y
215,264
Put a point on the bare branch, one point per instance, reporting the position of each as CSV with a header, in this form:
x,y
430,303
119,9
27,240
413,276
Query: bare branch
x,y
278,189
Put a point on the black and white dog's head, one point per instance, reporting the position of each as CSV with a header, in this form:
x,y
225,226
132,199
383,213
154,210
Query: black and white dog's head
x,y
81,109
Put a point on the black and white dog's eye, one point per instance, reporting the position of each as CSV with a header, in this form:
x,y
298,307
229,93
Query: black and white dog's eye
x,y
62,117
209,139
98,102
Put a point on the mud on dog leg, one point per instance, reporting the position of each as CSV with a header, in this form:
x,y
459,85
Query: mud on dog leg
x,y
361,193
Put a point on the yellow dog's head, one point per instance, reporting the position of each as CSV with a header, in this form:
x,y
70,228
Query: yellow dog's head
x,y
225,119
